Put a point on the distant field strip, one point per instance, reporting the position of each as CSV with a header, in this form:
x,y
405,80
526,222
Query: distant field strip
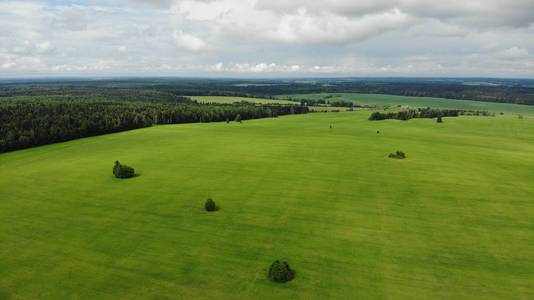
x,y
382,100
229,100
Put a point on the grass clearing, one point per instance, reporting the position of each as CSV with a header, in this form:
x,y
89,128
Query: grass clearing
x,y
230,100
455,220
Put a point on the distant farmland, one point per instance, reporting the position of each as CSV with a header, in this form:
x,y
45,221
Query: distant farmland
x,y
389,100
229,100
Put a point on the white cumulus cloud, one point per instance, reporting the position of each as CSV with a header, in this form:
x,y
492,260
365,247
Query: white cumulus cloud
x,y
189,41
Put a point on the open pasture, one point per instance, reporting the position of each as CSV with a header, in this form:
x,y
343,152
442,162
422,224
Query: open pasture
x,y
454,220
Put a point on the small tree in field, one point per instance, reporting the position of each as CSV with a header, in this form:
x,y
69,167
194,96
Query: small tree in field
x,y
398,155
238,118
281,272
123,171
116,168
439,119
210,205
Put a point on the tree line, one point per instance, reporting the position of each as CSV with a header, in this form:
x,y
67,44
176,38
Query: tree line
x,y
33,123
424,113
323,102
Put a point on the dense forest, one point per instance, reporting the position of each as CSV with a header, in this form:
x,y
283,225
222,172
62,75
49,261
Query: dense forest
x,y
31,123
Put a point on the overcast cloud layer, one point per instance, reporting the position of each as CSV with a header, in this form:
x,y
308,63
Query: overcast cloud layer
x,y
267,38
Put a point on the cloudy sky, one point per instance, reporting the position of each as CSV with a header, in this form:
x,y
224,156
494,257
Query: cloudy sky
x,y
263,38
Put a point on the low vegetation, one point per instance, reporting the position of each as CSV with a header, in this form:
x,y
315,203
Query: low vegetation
x,y
397,155
210,205
122,171
238,118
280,272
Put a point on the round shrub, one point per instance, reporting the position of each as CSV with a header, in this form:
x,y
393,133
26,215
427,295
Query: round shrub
x,y
398,155
210,205
281,272
123,171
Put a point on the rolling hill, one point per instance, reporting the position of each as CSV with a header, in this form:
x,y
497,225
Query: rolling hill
x,y
455,220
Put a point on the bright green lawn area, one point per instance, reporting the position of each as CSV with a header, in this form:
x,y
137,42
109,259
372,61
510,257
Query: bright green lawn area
x,y
383,100
224,99
455,220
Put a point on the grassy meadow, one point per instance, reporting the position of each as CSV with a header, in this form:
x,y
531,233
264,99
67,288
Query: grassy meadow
x,y
455,220
442,103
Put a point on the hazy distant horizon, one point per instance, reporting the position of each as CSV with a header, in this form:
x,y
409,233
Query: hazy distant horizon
x,y
246,76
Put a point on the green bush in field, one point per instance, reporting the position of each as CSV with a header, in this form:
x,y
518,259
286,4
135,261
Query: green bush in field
x,y
281,272
398,155
238,118
122,171
210,205
439,119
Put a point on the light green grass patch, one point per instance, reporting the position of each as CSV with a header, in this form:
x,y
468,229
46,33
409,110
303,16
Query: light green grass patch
x,y
230,100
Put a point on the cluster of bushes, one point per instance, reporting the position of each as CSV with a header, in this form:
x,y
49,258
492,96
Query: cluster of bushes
x,y
397,155
426,113
123,171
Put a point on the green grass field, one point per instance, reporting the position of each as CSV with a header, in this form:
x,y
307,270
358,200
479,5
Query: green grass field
x,y
455,220
383,100
230,100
